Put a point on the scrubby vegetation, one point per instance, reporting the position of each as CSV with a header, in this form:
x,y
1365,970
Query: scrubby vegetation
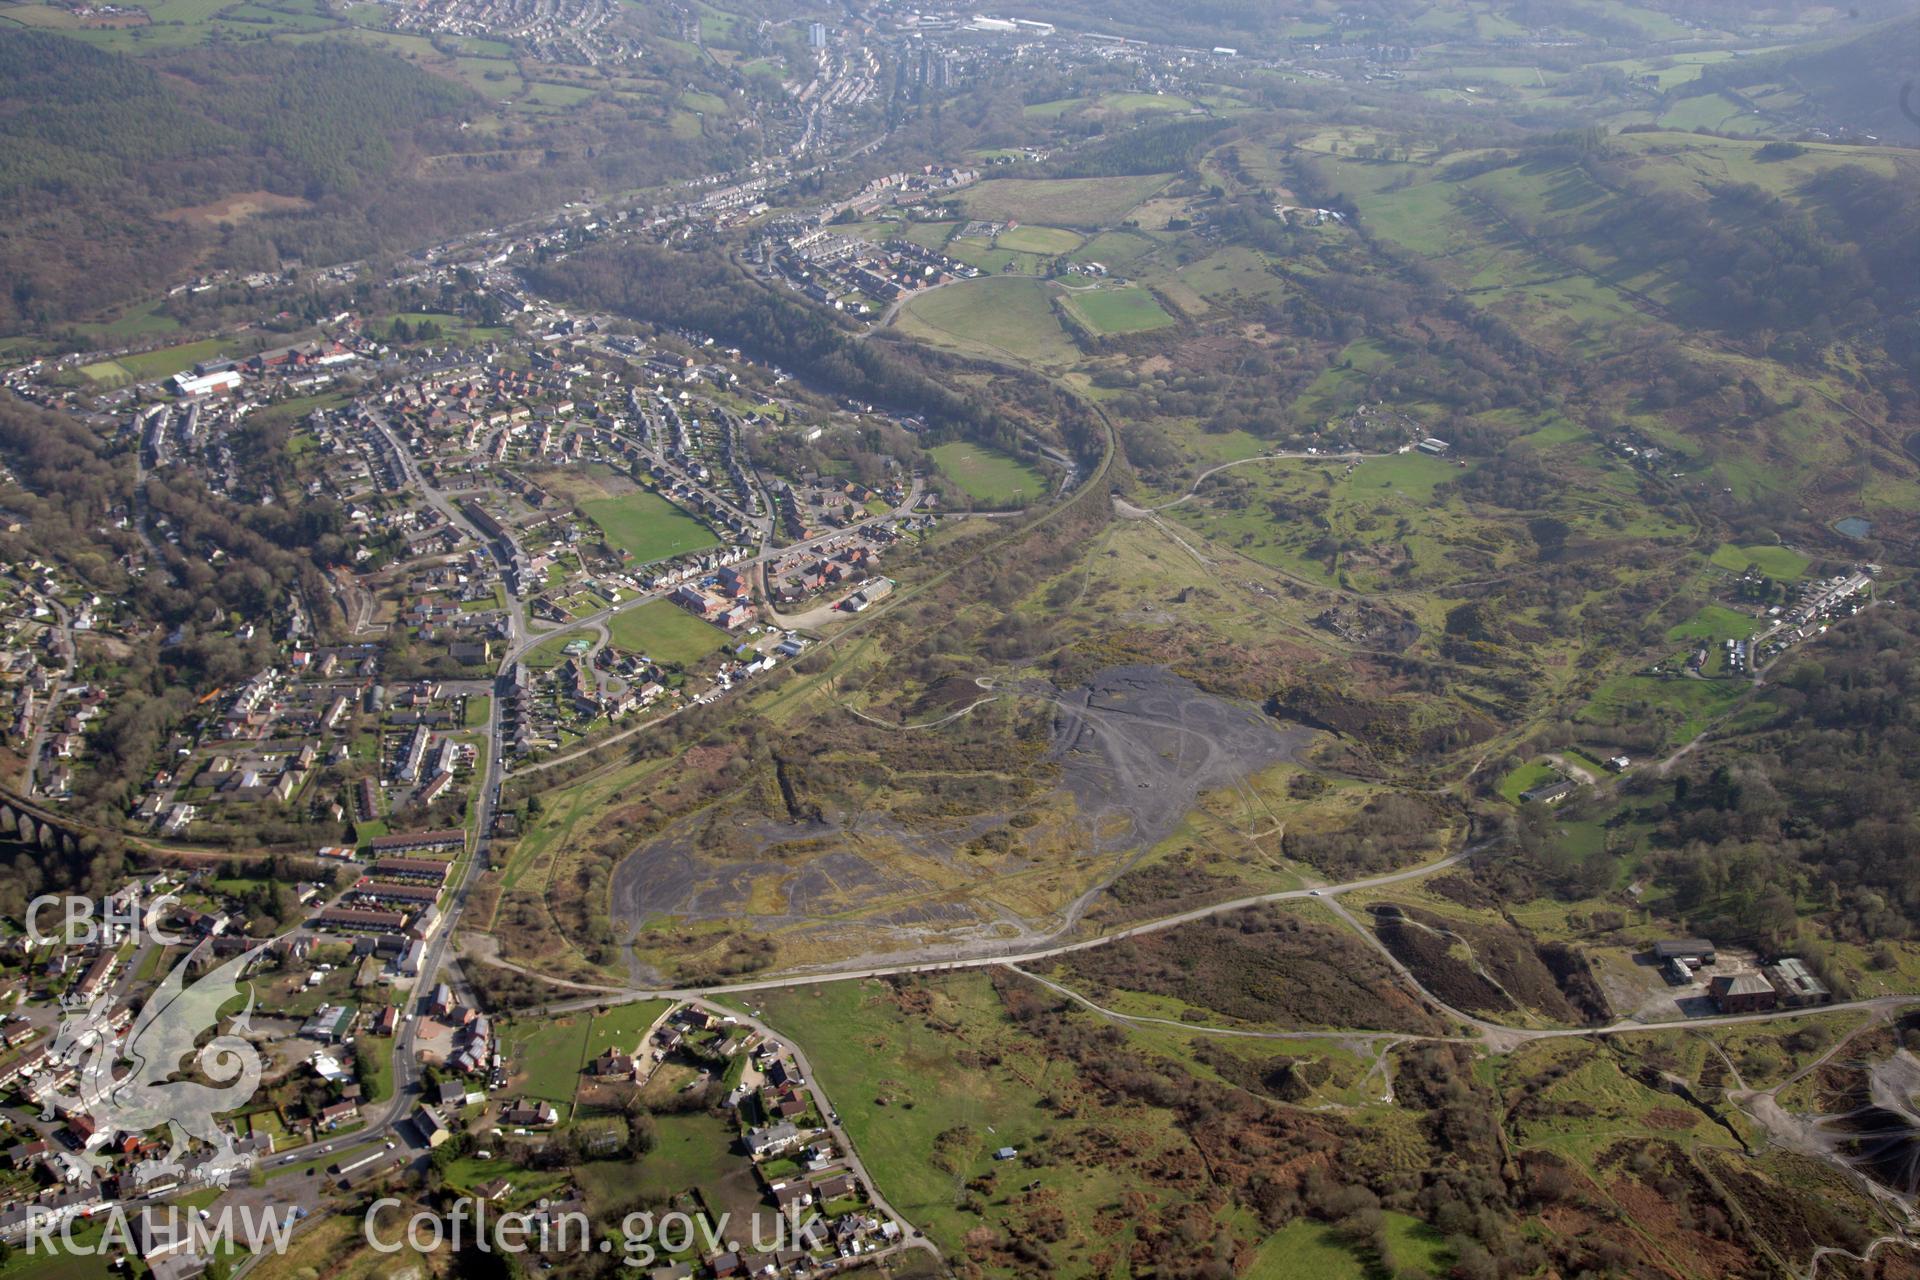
x,y
1263,966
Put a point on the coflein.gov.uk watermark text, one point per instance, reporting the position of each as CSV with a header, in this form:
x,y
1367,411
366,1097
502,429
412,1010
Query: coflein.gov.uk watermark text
x,y
391,1226
643,1237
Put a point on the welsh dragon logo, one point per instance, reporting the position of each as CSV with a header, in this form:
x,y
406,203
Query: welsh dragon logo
x,y
137,1081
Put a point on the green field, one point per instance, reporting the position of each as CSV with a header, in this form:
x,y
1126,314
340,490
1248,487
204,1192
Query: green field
x,y
1048,240
928,235
990,477
549,94
1782,563
1677,70
1062,202
690,1150
235,886
1677,707
1306,1250
142,321
1127,309
1144,102
548,1052
998,262
1715,623
168,361
108,373
862,1050
377,1053
1709,111
622,1026
1526,778
648,527
549,653
666,633
551,1052
1010,318
452,328
1117,250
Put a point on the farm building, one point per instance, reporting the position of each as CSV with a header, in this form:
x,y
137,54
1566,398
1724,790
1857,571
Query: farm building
x,y
1685,950
1548,793
1797,986
1742,993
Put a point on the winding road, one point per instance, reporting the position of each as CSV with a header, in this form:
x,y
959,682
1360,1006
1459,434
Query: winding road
x,y
1131,512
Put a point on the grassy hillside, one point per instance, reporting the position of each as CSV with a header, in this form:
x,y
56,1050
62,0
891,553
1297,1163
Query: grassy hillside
x,y
1853,83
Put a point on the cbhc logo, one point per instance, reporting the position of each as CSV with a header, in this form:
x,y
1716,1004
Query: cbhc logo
x,y
87,922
